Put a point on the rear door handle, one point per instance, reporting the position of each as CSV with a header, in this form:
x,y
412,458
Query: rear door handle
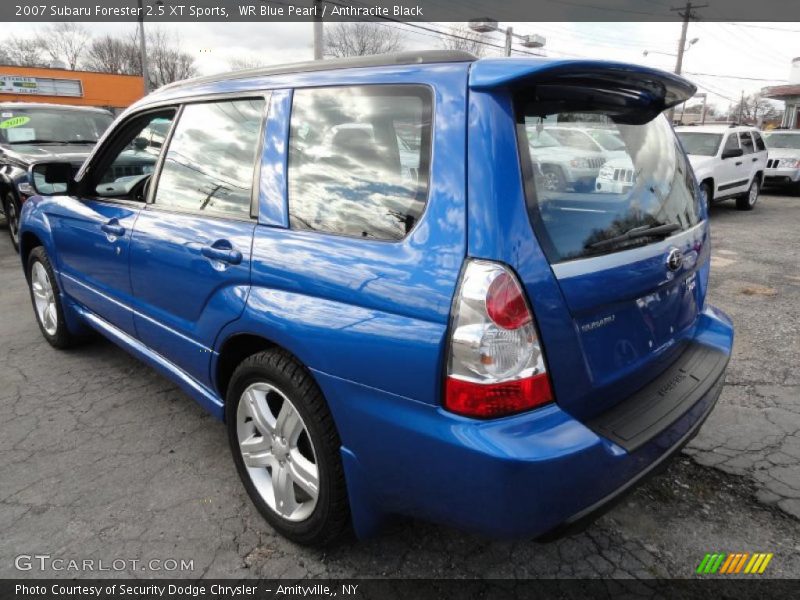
x,y
755,160
738,163
228,255
113,228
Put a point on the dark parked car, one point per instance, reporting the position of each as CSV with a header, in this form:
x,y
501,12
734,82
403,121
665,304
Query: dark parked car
x,y
358,266
31,132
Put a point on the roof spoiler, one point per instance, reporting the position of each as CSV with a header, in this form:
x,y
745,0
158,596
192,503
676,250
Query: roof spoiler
x,y
644,87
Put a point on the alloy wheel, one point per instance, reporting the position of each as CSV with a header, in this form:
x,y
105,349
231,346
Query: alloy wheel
x,y
551,181
44,298
752,195
12,219
277,451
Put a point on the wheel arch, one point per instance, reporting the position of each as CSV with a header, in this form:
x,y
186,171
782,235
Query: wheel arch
x,y
27,242
710,182
232,351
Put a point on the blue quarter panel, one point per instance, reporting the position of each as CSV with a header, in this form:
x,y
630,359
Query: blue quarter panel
x,y
367,310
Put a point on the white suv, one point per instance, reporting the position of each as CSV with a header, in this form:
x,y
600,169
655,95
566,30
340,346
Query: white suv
x,y
728,161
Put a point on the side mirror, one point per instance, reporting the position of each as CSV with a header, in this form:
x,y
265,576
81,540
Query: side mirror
x,y
732,153
51,178
141,143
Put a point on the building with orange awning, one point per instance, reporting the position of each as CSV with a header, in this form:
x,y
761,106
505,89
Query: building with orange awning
x,y
62,86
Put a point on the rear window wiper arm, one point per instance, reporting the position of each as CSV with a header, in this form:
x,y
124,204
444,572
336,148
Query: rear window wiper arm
x,y
638,232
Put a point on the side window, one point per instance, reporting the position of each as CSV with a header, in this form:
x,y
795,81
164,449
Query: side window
x,y
127,165
731,142
211,158
747,142
359,159
760,146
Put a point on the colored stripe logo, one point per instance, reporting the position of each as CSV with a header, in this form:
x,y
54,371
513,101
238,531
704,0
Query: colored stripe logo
x,y
734,563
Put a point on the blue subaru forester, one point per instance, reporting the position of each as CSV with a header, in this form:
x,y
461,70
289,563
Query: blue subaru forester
x,y
397,282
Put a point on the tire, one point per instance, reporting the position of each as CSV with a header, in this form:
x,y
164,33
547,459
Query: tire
x,y
708,194
278,474
554,180
11,209
748,200
46,299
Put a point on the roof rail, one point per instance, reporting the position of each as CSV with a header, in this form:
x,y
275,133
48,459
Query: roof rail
x,y
354,62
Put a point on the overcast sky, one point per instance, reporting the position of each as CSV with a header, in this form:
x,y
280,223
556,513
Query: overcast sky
x,y
744,50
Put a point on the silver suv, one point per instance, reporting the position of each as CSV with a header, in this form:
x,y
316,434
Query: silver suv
x,y
783,164
728,161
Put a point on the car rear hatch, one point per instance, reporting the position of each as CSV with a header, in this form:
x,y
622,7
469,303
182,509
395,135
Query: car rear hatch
x,y
631,267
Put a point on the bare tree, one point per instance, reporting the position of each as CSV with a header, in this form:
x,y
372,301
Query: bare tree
x,y
245,62
753,108
360,39
166,61
461,37
64,42
108,54
22,52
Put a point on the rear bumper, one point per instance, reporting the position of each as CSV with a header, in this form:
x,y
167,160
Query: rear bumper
x,y
520,476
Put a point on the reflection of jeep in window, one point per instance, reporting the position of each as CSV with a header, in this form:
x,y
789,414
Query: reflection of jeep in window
x,y
563,166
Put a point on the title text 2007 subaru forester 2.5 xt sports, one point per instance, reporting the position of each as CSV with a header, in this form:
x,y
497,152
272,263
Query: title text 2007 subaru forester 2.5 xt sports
x,y
356,265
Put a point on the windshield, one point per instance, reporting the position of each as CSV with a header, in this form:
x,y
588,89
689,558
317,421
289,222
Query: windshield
x,y
574,139
700,144
582,206
783,140
541,139
608,141
27,125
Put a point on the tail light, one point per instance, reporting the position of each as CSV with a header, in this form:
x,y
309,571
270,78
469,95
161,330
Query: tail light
x,y
495,365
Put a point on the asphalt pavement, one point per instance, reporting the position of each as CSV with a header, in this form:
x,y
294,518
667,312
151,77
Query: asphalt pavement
x,y
101,458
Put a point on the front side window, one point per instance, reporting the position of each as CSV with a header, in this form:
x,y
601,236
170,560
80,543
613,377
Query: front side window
x,y
747,142
359,159
731,143
124,171
760,147
211,158
585,203
700,144
59,126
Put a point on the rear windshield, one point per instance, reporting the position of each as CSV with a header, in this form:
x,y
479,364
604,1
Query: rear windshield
x,y
783,140
39,125
701,144
590,202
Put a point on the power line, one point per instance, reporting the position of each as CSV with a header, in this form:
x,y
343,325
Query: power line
x,y
736,77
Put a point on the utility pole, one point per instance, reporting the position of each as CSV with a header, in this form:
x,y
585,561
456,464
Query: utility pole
x,y
318,30
741,108
704,96
143,51
509,38
687,15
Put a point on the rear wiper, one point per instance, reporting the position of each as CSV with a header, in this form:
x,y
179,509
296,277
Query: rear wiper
x,y
36,141
638,232
65,142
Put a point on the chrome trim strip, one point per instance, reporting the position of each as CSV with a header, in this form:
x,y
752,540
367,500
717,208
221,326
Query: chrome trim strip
x,y
582,266
204,396
136,312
